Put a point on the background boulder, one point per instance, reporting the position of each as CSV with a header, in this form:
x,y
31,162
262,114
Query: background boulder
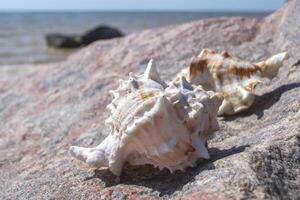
x,y
101,32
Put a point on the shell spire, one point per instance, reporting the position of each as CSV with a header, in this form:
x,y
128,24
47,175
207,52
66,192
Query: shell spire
x,y
151,122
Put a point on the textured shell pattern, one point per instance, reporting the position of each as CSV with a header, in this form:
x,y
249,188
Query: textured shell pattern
x,y
235,79
152,122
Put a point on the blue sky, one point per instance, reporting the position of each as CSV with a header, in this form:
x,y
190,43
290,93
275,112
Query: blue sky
x,y
261,5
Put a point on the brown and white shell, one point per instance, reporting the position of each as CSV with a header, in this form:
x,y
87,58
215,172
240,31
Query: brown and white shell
x,y
235,79
155,123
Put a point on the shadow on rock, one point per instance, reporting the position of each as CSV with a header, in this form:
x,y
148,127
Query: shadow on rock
x,y
264,102
163,181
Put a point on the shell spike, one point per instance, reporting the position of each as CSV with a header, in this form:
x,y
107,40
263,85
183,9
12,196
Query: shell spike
x,y
151,73
185,84
271,66
92,156
205,51
80,153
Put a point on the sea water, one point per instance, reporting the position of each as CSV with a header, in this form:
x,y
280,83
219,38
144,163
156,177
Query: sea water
x,y
22,34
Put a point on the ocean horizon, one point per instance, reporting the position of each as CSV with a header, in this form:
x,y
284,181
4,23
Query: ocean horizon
x,y
22,33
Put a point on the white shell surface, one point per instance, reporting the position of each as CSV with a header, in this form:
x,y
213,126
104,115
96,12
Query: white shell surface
x,y
166,125
235,79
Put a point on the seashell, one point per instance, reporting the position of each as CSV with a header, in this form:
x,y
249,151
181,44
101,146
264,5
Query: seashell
x,y
235,79
152,122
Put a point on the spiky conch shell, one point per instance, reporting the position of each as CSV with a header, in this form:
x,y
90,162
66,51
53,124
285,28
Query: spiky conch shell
x,y
235,79
155,123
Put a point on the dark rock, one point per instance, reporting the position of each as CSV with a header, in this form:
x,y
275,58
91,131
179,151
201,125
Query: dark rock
x,y
73,41
63,41
255,155
100,33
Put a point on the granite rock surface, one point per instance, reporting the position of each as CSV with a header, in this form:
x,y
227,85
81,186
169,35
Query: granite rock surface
x,y
46,109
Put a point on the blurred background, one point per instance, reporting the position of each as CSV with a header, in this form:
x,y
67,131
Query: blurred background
x,y
35,31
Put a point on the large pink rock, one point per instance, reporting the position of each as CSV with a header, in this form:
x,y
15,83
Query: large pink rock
x,y
46,109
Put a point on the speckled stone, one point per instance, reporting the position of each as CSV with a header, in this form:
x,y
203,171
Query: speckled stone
x,y
47,108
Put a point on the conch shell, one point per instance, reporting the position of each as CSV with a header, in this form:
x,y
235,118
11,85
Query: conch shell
x,y
233,78
155,123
